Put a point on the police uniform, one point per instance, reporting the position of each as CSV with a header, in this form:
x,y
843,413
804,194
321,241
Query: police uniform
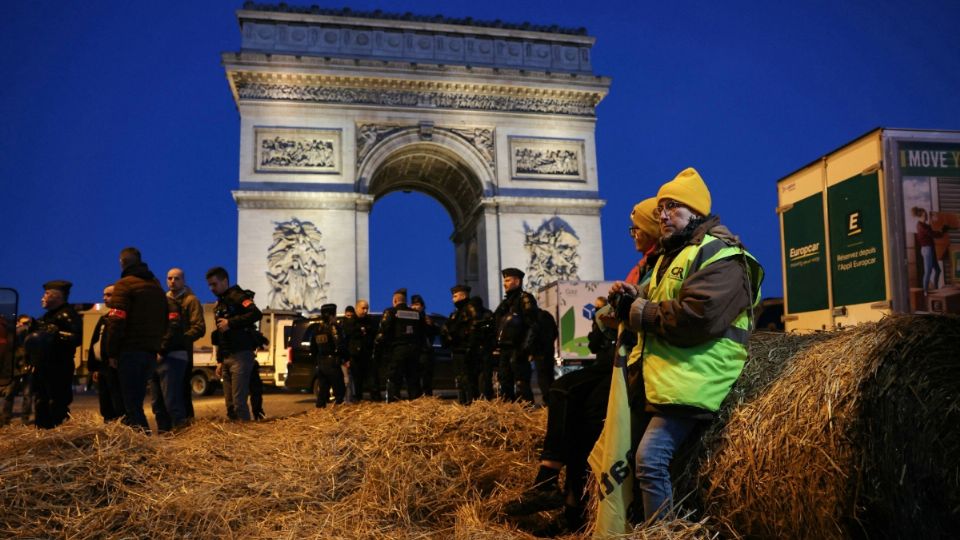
x,y
514,322
400,338
425,367
456,336
59,333
324,347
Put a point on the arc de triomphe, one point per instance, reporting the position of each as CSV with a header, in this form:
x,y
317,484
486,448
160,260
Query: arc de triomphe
x,y
339,108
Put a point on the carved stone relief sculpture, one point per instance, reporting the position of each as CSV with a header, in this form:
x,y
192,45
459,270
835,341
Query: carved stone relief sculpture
x,y
297,150
547,159
552,250
481,138
297,267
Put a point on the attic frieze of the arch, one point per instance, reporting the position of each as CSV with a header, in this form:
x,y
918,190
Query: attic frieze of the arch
x,y
422,94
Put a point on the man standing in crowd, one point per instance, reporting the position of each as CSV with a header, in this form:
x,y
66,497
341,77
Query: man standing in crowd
x,y
98,364
54,344
483,340
22,373
515,317
430,331
401,338
456,336
194,327
543,350
324,347
358,335
236,339
136,324
694,322
166,384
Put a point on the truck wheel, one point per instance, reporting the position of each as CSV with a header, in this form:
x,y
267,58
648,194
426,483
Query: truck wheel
x,y
199,384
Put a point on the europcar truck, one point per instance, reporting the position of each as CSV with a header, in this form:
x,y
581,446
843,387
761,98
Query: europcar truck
x,y
571,304
849,224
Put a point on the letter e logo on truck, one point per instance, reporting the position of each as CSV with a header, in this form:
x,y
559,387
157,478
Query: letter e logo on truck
x,y
853,223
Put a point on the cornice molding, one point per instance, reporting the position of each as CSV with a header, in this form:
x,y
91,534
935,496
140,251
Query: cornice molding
x,y
542,205
302,200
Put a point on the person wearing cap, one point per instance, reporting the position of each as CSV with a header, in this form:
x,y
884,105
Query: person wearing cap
x,y
578,404
104,375
58,334
693,320
400,337
515,317
358,335
430,331
236,339
456,336
325,349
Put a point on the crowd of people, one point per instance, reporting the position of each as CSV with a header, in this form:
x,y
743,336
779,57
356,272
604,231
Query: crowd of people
x,y
678,326
144,340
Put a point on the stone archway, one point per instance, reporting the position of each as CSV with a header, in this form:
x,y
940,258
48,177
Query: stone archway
x,y
338,109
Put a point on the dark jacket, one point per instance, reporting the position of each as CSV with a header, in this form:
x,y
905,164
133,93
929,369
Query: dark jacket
x,y
513,320
65,330
358,336
138,318
237,307
456,332
97,356
194,327
401,326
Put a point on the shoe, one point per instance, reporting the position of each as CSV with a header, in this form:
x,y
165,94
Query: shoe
x,y
536,499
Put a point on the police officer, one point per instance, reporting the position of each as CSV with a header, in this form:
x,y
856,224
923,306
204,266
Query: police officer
x,y
54,344
358,335
430,331
324,347
400,339
543,350
456,336
236,338
515,317
483,341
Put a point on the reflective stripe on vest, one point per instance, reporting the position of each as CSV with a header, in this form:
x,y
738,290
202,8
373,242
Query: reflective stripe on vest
x,y
698,376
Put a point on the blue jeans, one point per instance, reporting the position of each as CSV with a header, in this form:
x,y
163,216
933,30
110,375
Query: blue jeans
x,y
166,387
930,266
135,369
237,368
660,441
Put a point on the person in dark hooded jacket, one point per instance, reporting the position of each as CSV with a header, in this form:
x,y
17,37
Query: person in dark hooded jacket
x,y
136,325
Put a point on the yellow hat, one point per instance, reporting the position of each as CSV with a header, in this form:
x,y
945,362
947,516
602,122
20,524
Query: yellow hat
x,y
689,189
642,217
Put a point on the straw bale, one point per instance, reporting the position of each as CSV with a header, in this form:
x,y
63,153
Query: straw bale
x,y
855,435
420,469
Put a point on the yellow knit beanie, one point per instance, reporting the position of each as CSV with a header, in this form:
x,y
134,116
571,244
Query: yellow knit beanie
x,y
687,188
642,217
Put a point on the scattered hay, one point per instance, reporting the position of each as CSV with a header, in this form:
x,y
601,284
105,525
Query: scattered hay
x,y
421,469
855,436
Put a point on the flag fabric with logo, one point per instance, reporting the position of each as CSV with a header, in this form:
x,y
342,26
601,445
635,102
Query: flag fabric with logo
x,y
610,460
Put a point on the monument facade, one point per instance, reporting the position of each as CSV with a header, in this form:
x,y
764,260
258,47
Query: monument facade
x,y
339,108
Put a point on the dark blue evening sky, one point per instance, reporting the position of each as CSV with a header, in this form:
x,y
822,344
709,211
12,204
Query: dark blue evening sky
x,y
117,126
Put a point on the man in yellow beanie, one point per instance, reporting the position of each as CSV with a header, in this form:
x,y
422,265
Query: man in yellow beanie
x,y
693,319
645,232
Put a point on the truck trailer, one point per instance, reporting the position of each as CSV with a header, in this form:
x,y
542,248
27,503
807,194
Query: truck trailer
x,y
856,226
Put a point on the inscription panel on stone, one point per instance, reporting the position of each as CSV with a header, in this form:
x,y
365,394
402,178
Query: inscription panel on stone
x,y
540,158
297,150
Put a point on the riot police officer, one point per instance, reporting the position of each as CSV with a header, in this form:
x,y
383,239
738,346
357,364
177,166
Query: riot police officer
x,y
236,338
51,349
325,349
400,339
456,336
515,317
430,331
